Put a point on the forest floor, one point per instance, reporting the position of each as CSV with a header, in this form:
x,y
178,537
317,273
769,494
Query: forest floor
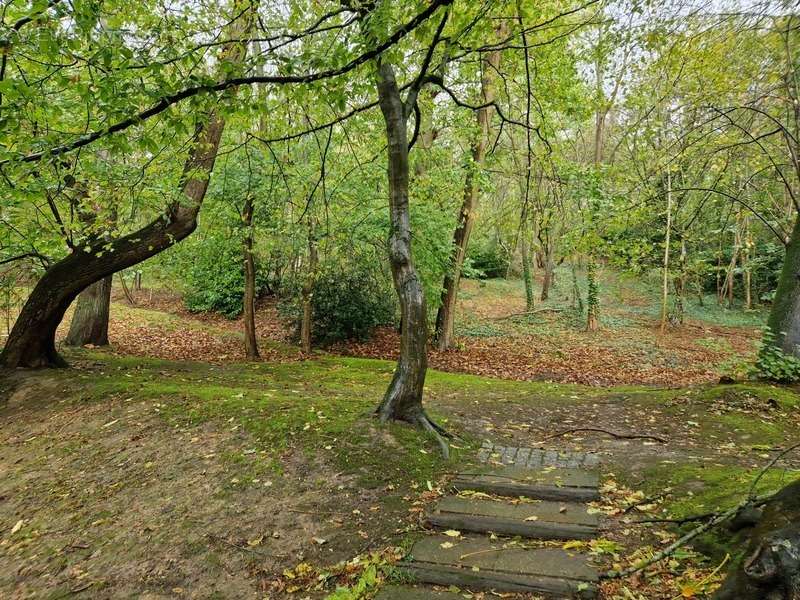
x,y
494,336
186,473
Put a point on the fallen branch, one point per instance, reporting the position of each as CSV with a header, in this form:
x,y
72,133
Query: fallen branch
x,y
717,519
769,465
619,436
681,541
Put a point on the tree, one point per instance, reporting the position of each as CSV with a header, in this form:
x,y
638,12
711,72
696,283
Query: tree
x,y
31,342
445,316
90,322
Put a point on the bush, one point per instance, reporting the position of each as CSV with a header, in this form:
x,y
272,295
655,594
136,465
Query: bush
x,y
774,364
486,259
214,275
348,304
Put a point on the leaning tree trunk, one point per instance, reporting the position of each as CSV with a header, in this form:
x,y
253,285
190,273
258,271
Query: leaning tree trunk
x,y
90,322
784,318
32,340
403,399
249,299
446,315
770,568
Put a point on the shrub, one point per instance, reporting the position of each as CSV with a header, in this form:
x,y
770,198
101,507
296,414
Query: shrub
x,y
214,275
486,259
773,363
348,304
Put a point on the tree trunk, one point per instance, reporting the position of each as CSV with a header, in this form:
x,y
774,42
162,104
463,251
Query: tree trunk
x,y
403,398
445,316
577,300
90,322
527,270
784,317
308,289
249,300
665,280
32,339
680,284
548,264
770,569
592,296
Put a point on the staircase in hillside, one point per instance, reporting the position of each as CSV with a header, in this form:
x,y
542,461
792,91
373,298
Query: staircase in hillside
x,y
520,494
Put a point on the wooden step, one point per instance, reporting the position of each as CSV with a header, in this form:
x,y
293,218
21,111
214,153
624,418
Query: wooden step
x,y
566,485
542,520
480,564
403,592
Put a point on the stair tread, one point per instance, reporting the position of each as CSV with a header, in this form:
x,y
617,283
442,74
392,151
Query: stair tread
x,y
548,483
480,563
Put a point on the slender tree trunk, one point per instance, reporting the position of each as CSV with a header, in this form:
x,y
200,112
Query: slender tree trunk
x,y
730,278
747,244
577,300
719,275
680,284
592,296
308,289
665,280
445,316
90,322
549,265
527,270
249,300
784,317
403,399
32,339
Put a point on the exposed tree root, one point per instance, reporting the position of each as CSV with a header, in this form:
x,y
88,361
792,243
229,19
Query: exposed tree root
x,y
437,432
619,436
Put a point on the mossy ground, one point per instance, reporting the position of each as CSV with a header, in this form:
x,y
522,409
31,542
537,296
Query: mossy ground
x,y
131,438
137,475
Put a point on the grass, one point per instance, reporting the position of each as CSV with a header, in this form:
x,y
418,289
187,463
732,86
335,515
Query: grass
x,y
322,407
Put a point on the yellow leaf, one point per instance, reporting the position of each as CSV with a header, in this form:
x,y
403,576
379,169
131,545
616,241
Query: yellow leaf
x,y
574,545
452,533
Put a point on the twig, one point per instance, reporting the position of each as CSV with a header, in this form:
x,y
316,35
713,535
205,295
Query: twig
x,y
669,550
468,554
621,436
681,521
770,464
642,502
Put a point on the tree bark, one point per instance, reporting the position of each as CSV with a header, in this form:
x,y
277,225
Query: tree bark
x,y
308,288
249,300
548,263
527,269
445,316
592,296
665,280
403,398
784,317
90,322
770,569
